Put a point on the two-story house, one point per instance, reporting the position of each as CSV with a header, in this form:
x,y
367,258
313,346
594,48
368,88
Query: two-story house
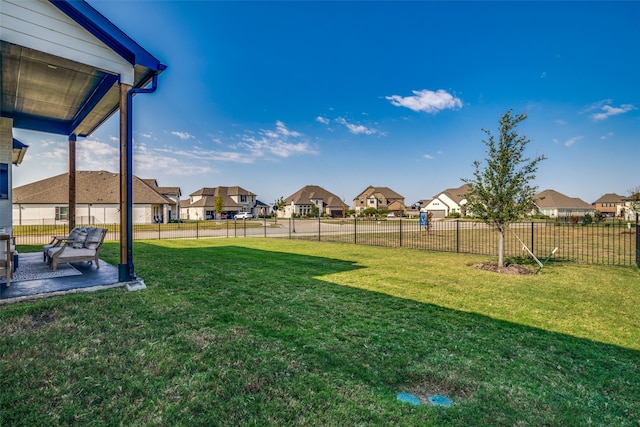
x,y
610,204
201,204
379,198
302,203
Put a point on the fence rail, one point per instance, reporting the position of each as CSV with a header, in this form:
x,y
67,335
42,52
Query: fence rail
x,y
611,243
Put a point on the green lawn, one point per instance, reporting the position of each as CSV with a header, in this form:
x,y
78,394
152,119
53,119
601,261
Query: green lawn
x,y
280,332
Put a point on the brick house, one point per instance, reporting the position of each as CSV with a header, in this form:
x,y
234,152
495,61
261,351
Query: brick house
x,y
379,198
610,204
301,202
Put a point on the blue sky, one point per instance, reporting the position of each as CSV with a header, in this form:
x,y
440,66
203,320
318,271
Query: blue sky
x,y
273,96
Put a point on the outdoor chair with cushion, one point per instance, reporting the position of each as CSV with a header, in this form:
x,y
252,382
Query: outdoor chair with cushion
x,y
6,257
76,236
86,250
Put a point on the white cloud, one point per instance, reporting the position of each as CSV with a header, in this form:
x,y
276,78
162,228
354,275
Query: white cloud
x,y
427,101
206,155
282,129
182,135
93,155
571,141
608,111
322,120
275,142
148,161
428,156
356,129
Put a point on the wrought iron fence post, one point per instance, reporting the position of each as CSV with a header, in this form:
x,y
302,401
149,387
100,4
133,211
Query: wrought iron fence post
x,y
400,230
159,236
319,228
197,231
355,234
638,245
532,236
457,235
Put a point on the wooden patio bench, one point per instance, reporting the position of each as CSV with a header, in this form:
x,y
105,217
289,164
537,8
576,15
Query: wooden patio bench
x,y
85,247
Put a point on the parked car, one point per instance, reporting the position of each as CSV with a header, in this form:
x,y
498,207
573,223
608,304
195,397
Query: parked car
x,y
243,215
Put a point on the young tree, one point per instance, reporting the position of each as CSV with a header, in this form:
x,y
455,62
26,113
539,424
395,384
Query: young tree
x,y
218,205
500,190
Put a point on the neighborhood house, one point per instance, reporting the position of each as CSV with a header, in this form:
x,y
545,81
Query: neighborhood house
x,y
97,200
380,198
450,201
313,200
201,204
556,205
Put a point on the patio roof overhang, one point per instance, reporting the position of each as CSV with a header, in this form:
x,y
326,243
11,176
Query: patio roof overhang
x,y
65,70
47,89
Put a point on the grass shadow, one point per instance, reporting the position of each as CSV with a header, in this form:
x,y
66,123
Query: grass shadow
x,y
230,335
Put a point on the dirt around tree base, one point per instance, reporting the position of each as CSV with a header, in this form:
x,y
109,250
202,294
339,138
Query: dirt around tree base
x,y
507,269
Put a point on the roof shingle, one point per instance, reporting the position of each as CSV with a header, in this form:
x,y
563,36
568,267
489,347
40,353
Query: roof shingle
x,y
91,187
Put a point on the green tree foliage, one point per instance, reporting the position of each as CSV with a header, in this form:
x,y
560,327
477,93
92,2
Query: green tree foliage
x,y
634,198
218,204
500,189
370,212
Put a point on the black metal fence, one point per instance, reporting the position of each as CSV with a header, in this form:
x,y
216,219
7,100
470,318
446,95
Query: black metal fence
x,y
609,243
606,244
638,245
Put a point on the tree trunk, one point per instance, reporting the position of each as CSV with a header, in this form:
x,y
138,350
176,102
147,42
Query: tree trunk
x,y
501,249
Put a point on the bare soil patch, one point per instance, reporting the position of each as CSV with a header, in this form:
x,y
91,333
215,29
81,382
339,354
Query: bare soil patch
x,y
514,269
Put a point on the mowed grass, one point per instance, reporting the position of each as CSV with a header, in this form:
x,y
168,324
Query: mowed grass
x,y
279,332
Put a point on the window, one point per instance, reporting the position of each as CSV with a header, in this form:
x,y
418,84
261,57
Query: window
x,y
4,181
62,213
243,198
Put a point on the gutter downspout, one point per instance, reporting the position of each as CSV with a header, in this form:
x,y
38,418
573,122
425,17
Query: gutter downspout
x,y
126,272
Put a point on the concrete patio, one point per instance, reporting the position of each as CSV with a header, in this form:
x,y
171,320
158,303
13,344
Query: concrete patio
x,y
33,279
